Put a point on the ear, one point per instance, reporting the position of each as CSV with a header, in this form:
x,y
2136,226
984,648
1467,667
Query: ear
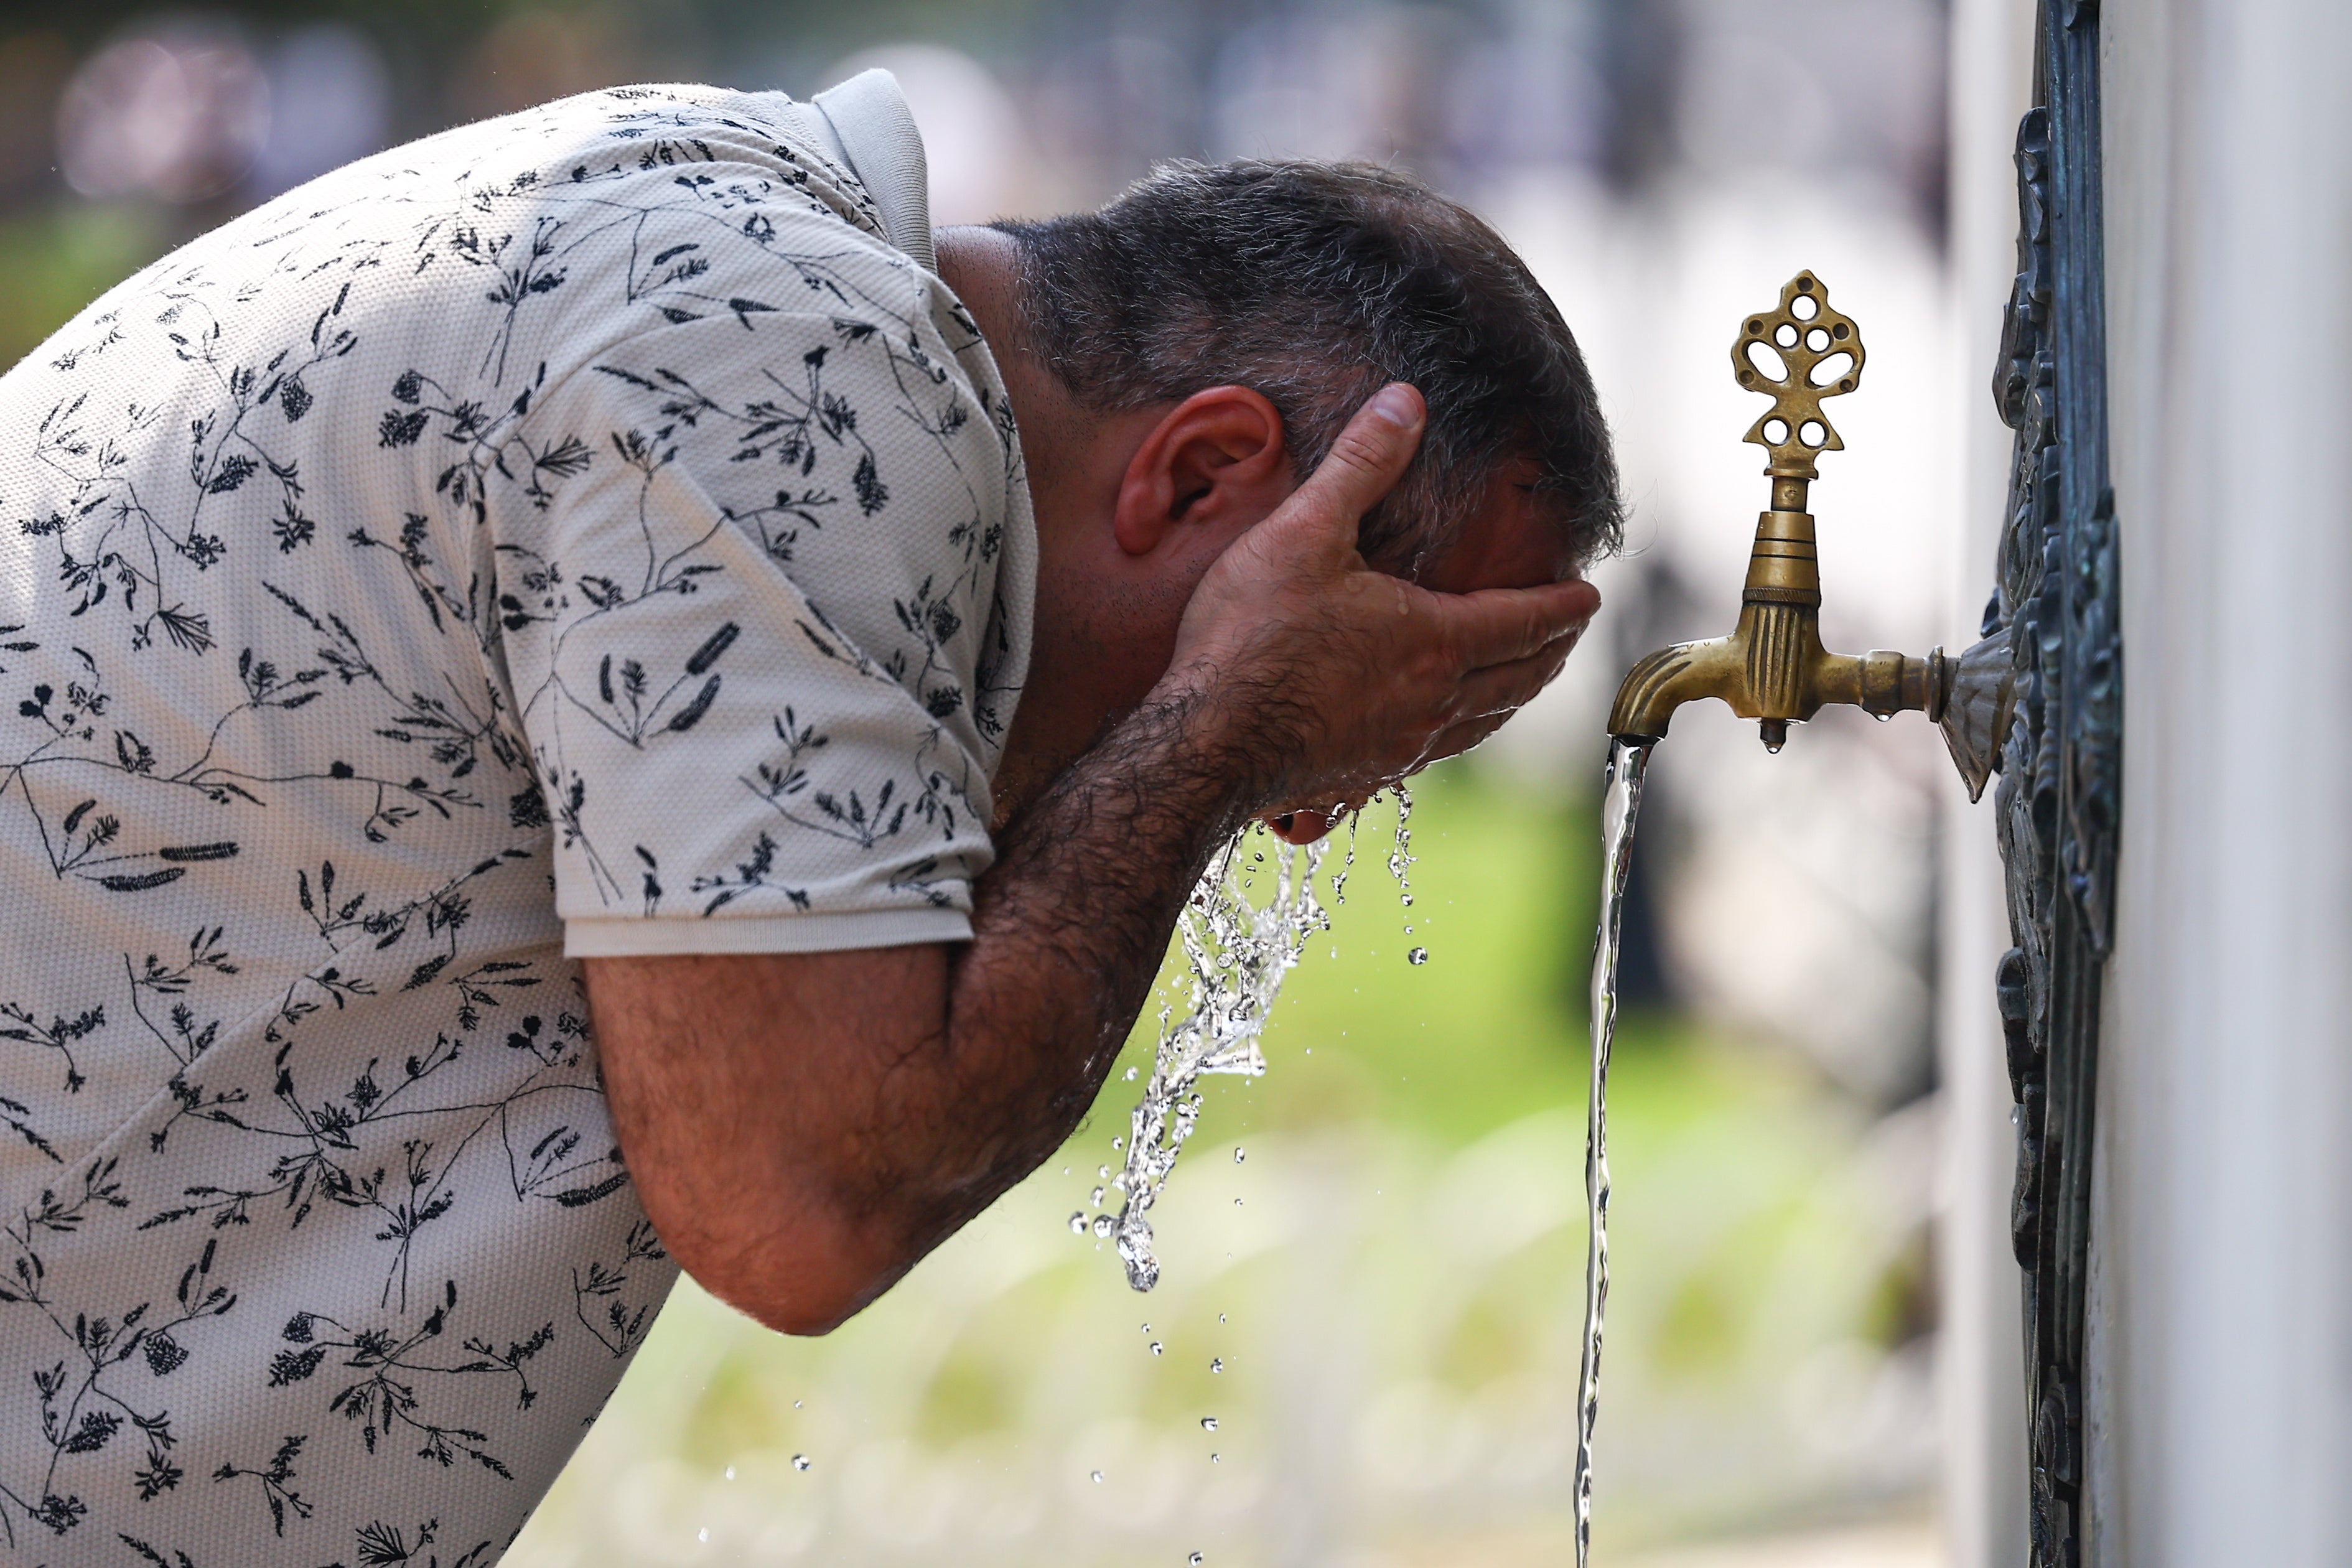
x,y
1215,461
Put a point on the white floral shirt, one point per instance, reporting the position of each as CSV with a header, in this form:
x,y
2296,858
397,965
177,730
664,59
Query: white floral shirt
x,y
581,530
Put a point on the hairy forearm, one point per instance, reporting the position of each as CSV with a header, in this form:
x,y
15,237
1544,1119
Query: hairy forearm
x,y
1069,928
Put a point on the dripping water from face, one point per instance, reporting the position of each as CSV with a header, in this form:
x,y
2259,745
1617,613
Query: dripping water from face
x,y
1236,950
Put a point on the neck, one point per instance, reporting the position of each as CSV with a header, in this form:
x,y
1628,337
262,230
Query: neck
x,y
984,267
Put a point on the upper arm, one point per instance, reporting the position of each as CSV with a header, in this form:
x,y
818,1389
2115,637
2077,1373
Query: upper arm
x,y
745,1091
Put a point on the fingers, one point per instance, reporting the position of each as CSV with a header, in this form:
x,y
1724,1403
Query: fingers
x,y
1368,457
1456,739
1495,625
1503,688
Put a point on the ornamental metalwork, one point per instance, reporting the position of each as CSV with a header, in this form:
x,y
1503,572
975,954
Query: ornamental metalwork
x,y
2057,804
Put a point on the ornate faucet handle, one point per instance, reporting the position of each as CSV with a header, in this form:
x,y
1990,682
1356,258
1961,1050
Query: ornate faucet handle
x,y
1799,353
1772,667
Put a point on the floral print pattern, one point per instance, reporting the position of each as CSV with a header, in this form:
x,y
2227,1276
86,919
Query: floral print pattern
x,y
582,527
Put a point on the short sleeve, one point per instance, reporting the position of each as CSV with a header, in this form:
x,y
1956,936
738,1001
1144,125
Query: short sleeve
x,y
765,583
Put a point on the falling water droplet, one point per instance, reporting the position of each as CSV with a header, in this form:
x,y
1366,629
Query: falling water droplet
x,y
1194,1561
1096,1477
1220,1317
1215,1364
1131,1075
703,1534
796,1404
1103,1224
731,1472
1340,878
1417,956
1102,1172
1097,1198
1237,1153
1155,1347
1405,898
1213,1458
1119,1144
1077,1221
1208,1423
800,1461
1237,1203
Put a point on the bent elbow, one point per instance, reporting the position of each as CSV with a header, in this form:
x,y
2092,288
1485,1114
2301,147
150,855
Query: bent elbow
x,y
795,1287
811,1314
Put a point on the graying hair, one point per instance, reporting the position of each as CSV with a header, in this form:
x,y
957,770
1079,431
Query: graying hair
x,y
1314,284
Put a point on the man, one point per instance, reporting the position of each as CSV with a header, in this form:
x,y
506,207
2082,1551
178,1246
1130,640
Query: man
x,y
595,544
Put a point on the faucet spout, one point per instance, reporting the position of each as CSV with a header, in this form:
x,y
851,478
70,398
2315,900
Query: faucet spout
x,y
1772,667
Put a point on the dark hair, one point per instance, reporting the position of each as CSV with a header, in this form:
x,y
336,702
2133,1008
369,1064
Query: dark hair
x,y
1314,284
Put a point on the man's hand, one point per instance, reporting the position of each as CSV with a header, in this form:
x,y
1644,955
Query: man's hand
x,y
1337,679
801,1128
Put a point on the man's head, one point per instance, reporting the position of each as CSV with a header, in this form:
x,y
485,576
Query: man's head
x,y
1182,358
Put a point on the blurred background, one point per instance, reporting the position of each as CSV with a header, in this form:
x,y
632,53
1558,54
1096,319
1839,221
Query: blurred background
x,y
1379,1304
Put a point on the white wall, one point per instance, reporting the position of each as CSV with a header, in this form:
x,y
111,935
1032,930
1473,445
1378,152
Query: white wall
x,y
2221,1399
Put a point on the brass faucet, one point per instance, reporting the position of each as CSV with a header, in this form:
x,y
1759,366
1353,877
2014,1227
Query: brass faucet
x,y
1773,668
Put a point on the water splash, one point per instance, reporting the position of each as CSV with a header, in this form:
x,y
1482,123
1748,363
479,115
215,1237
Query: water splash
x,y
1347,864
1621,803
1402,857
1236,950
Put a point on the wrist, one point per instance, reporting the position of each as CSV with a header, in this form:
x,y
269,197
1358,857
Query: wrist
x,y
1238,733
1196,744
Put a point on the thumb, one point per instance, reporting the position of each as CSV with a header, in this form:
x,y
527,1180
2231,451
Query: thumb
x,y
1364,463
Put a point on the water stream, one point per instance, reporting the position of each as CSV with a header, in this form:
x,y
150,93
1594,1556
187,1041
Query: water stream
x,y
1621,801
